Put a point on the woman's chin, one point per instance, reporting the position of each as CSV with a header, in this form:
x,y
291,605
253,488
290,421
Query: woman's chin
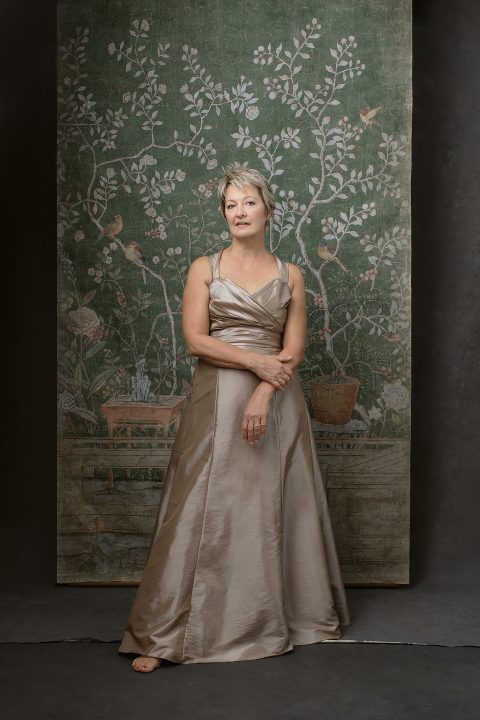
x,y
245,232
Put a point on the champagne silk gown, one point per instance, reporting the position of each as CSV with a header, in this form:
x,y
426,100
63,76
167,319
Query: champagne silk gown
x,y
242,562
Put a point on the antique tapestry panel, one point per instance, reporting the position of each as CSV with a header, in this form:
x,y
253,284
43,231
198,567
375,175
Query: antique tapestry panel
x,y
155,99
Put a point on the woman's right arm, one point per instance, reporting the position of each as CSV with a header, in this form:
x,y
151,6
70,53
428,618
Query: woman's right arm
x,y
196,325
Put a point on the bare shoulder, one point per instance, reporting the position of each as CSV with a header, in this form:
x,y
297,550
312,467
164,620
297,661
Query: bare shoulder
x,y
200,269
295,275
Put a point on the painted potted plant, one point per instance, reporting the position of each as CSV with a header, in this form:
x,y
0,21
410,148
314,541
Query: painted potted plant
x,y
333,398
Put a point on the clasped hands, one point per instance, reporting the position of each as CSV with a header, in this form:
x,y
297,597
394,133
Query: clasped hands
x,y
275,374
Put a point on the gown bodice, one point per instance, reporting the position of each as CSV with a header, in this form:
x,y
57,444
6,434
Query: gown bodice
x,y
254,321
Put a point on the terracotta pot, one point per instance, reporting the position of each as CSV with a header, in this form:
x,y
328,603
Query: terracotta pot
x,y
333,398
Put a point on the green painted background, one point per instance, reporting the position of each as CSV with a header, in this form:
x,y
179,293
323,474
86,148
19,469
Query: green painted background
x,y
154,100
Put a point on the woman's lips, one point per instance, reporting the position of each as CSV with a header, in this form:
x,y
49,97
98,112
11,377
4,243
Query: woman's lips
x,y
242,224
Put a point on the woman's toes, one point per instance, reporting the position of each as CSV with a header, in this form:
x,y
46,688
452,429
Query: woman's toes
x,y
150,664
146,664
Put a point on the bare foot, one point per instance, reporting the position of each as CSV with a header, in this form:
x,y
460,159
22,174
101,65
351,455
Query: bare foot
x,y
146,663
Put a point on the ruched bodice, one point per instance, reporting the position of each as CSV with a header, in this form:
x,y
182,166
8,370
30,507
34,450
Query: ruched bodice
x,y
254,321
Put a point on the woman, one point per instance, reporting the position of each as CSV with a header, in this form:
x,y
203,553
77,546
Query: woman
x,y
242,562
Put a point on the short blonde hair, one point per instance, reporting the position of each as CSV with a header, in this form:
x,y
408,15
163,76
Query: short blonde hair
x,y
239,176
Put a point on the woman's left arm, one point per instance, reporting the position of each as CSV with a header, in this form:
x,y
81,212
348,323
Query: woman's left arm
x,y
295,329
294,337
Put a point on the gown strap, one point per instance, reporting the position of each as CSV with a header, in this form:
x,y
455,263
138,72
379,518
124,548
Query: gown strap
x,y
214,264
283,267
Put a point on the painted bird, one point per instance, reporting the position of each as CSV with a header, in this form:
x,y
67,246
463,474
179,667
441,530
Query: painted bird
x,y
391,337
367,114
112,229
134,254
326,253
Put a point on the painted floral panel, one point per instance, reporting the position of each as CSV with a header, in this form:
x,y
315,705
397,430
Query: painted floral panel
x,y
154,101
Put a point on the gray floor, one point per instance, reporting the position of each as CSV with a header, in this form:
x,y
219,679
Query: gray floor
x,y
88,680
411,652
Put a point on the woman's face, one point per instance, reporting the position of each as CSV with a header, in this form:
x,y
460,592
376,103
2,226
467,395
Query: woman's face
x,y
245,211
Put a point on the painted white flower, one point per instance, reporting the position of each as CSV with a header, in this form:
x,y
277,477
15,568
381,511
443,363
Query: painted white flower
x,y
155,259
178,250
251,112
170,251
180,175
111,48
91,271
162,233
375,413
83,321
113,245
212,164
184,88
151,212
224,235
395,395
162,88
145,26
126,97
106,250
108,259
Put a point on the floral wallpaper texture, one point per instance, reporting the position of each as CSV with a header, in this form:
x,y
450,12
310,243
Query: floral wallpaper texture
x,y
154,100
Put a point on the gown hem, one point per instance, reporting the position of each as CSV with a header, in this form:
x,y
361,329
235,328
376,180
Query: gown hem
x,y
297,638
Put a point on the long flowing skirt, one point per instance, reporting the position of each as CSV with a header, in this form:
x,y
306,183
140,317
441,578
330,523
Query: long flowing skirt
x,y
242,562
